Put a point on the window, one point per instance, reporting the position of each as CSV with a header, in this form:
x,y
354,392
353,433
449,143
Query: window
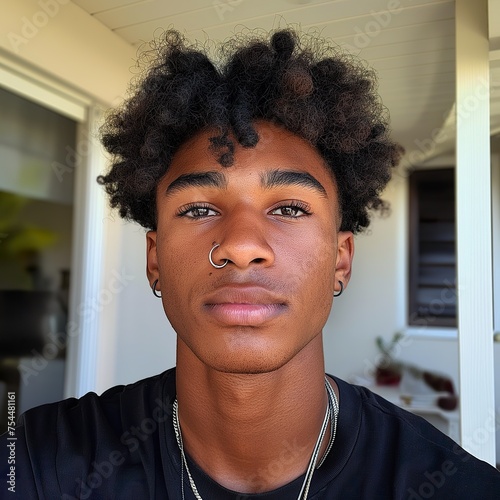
x,y
432,294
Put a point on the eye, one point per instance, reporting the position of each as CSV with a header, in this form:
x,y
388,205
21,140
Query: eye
x,y
196,211
291,210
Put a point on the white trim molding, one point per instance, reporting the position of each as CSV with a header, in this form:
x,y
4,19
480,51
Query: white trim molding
x,y
427,332
474,240
88,239
20,79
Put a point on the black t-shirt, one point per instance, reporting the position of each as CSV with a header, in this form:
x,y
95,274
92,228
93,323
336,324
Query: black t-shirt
x,y
122,445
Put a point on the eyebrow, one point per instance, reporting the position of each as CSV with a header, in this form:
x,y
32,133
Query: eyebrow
x,y
276,178
269,180
197,179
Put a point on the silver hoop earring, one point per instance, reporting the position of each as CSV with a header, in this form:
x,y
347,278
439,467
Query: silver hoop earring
x,y
341,290
217,266
153,287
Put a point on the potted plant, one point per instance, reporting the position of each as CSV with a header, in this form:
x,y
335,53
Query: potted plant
x,y
388,371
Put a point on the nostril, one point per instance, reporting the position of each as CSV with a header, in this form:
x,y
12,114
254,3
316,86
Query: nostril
x,y
258,260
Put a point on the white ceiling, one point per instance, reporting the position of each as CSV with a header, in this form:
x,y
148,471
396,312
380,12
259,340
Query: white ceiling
x,y
411,47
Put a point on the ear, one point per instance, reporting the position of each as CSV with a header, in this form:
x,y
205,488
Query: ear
x,y
345,254
152,258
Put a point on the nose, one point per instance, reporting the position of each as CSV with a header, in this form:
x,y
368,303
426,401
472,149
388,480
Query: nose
x,y
243,240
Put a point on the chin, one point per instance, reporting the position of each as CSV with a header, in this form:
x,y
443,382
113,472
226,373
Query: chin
x,y
255,364
246,354
248,370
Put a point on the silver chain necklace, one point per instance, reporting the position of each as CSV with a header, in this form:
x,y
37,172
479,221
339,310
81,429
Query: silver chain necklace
x,y
331,415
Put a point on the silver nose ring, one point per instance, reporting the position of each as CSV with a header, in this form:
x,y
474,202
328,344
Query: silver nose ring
x,y
217,266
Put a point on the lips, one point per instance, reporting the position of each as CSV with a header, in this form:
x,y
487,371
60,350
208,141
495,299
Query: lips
x,y
244,305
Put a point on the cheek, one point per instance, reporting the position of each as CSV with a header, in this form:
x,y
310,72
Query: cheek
x,y
178,265
311,267
322,266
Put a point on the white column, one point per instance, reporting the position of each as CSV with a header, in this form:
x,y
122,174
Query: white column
x,y
474,241
86,301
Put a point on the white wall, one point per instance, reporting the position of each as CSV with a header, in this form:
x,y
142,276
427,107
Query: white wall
x,y
144,341
374,302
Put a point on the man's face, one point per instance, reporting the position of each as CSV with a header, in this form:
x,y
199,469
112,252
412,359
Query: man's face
x,y
275,215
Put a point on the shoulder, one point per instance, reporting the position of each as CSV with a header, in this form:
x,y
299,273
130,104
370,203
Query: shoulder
x,y
94,435
133,400
375,410
406,451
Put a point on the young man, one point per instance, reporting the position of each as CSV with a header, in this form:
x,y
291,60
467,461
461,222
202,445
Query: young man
x,y
251,178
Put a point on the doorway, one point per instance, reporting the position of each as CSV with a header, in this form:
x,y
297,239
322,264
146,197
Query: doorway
x,y
36,246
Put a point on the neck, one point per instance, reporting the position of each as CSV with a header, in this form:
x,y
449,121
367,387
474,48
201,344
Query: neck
x,y
241,429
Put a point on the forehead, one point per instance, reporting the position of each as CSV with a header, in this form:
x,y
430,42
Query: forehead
x,y
277,149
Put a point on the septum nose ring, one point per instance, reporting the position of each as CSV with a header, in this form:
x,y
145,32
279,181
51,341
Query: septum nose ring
x,y
217,266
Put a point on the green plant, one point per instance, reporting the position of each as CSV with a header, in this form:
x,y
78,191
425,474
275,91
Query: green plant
x,y
20,243
388,371
387,348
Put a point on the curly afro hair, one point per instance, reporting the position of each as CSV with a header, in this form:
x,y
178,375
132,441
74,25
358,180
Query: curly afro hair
x,y
300,83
